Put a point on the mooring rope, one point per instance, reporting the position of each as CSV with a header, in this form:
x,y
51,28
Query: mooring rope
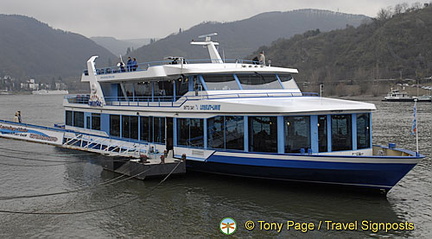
x,y
96,209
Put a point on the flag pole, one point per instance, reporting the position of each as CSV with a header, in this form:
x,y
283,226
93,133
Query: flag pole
x,y
416,126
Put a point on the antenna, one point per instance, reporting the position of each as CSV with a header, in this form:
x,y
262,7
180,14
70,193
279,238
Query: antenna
x,y
208,36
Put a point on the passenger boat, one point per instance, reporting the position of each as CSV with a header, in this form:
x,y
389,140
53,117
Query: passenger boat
x,y
403,96
50,92
234,118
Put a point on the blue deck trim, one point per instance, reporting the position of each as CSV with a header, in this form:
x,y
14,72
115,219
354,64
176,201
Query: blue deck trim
x,y
354,131
281,134
329,134
314,133
246,133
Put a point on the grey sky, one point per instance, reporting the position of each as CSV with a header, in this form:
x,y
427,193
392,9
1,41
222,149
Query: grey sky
x,y
159,18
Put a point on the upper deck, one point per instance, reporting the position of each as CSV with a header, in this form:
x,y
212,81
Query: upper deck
x,y
179,66
182,85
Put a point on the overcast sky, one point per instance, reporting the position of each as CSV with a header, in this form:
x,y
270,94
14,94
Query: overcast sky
x,y
158,18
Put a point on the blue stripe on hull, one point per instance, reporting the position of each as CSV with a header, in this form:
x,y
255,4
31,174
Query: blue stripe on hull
x,y
372,175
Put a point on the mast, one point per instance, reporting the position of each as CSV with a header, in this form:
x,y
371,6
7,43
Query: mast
x,y
211,47
96,94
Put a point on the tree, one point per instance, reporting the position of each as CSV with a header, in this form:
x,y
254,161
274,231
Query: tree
x,y
384,14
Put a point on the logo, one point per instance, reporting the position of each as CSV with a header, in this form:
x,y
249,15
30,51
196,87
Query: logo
x,y
228,226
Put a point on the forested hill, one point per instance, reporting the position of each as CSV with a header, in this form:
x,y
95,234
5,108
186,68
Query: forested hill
x,y
395,45
240,38
29,48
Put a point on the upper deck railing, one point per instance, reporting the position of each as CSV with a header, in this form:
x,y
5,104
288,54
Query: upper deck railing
x,y
173,61
170,101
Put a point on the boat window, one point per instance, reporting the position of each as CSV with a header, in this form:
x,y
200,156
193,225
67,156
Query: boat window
x,y
143,91
69,117
216,132
259,81
341,132
288,81
363,131
115,125
78,119
263,134
297,134
128,89
226,132
322,133
159,130
221,82
191,132
182,86
285,77
145,132
234,135
95,121
130,127
163,90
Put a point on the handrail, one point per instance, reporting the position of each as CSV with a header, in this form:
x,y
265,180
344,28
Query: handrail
x,y
171,101
145,65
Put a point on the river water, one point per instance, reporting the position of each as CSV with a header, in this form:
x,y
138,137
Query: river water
x,y
101,204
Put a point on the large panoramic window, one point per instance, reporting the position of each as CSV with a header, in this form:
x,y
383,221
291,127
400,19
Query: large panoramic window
x,y
288,81
163,90
182,86
96,122
221,82
322,133
363,131
216,132
115,125
159,130
297,134
69,118
226,132
191,132
234,134
259,81
143,91
263,134
130,127
341,132
78,119
145,132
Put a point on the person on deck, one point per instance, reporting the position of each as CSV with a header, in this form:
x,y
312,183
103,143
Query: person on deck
x,y
129,64
15,119
19,117
134,64
262,58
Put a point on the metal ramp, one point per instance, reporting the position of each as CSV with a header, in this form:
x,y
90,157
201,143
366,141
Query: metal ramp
x,y
104,145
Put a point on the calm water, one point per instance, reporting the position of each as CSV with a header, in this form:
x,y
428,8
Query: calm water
x,y
194,205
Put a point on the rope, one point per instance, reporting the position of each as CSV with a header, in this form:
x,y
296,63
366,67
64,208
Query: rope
x,y
96,209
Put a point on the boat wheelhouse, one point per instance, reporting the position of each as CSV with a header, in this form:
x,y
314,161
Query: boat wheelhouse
x,y
232,117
